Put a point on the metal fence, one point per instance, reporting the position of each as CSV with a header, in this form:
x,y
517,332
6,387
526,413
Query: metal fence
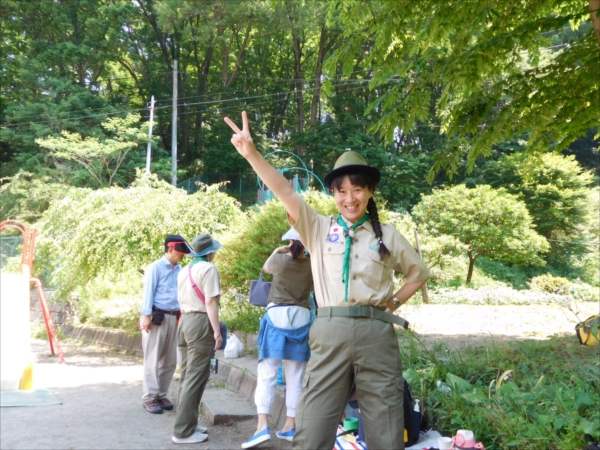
x,y
10,246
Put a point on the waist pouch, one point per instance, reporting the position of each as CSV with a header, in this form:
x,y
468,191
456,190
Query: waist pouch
x,y
158,315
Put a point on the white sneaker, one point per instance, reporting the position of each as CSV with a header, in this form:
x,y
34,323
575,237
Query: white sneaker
x,y
193,439
200,429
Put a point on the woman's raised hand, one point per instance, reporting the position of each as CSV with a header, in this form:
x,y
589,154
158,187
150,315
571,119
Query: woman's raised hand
x,y
241,140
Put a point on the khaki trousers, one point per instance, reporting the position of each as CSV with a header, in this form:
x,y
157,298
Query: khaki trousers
x,y
160,358
196,346
348,351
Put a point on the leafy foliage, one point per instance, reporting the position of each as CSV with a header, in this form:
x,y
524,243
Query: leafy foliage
x,y
496,64
488,222
550,283
554,188
114,231
24,197
533,395
101,157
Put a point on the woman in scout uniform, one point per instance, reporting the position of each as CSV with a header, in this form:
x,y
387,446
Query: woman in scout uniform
x,y
283,336
352,341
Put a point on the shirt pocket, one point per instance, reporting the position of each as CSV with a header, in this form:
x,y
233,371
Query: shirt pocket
x,y
378,274
333,260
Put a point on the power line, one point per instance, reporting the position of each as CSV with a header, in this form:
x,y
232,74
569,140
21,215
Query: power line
x,y
345,83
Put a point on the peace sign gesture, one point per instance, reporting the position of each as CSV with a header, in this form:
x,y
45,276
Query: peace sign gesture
x,y
241,140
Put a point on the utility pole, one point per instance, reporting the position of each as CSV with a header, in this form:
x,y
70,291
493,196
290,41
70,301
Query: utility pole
x,y
149,150
174,130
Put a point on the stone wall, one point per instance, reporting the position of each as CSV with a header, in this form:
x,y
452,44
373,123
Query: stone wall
x,y
58,311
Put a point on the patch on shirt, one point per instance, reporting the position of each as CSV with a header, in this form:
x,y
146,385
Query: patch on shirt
x,y
333,237
374,247
335,232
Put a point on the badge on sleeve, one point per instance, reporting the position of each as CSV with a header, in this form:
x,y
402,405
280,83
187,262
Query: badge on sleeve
x,y
335,232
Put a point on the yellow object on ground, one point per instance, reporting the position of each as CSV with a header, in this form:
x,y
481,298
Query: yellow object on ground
x,y
588,331
26,383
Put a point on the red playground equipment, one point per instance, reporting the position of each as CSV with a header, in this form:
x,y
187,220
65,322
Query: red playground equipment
x,y
27,269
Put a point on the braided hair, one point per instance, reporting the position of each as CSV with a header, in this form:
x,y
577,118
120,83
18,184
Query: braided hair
x,y
364,180
372,208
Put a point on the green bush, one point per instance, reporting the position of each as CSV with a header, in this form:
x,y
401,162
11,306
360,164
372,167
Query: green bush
x,y
550,283
92,238
525,395
111,302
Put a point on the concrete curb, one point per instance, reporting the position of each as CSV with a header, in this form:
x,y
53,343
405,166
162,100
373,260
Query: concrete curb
x,y
238,378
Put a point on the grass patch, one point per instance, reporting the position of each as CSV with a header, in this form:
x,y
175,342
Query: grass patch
x,y
525,395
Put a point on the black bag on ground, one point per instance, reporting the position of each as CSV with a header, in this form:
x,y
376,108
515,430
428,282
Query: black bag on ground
x,y
412,418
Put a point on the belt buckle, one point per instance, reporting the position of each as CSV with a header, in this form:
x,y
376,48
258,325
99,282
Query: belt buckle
x,y
355,311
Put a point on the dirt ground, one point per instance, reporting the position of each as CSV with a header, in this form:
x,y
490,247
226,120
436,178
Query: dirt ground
x,y
101,389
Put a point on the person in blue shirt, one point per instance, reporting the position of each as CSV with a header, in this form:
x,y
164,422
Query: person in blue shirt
x,y
160,311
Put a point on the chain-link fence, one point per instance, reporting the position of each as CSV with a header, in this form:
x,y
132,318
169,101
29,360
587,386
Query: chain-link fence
x,y
10,246
244,187
241,186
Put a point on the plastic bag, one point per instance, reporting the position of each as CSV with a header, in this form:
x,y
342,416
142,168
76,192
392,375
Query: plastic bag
x,y
231,349
238,343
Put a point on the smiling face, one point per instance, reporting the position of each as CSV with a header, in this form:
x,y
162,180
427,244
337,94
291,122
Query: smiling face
x,y
351,200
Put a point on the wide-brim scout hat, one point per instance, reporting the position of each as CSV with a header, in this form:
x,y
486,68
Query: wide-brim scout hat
x,y
351,162
178,243
204,245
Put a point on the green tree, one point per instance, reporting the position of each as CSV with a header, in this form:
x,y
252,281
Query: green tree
x,y
102,157
554,188
486,221
499,69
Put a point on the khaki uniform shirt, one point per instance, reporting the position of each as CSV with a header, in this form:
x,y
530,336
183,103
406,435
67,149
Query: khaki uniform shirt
x,y
206,277
292,279
371,279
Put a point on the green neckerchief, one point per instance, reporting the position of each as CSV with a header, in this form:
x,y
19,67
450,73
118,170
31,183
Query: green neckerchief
x,y
198,259
349,236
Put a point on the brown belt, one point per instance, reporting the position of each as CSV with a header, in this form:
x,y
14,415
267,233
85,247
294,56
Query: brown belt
x,y
372,312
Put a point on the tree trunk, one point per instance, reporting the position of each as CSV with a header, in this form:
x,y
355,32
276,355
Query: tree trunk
x,y
594,8
324,47
471,266
298,81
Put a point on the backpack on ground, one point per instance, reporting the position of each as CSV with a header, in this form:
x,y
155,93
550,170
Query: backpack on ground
x,y
412,418
587,331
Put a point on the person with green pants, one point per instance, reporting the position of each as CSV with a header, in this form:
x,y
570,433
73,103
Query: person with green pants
x,y
199,289
353,341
